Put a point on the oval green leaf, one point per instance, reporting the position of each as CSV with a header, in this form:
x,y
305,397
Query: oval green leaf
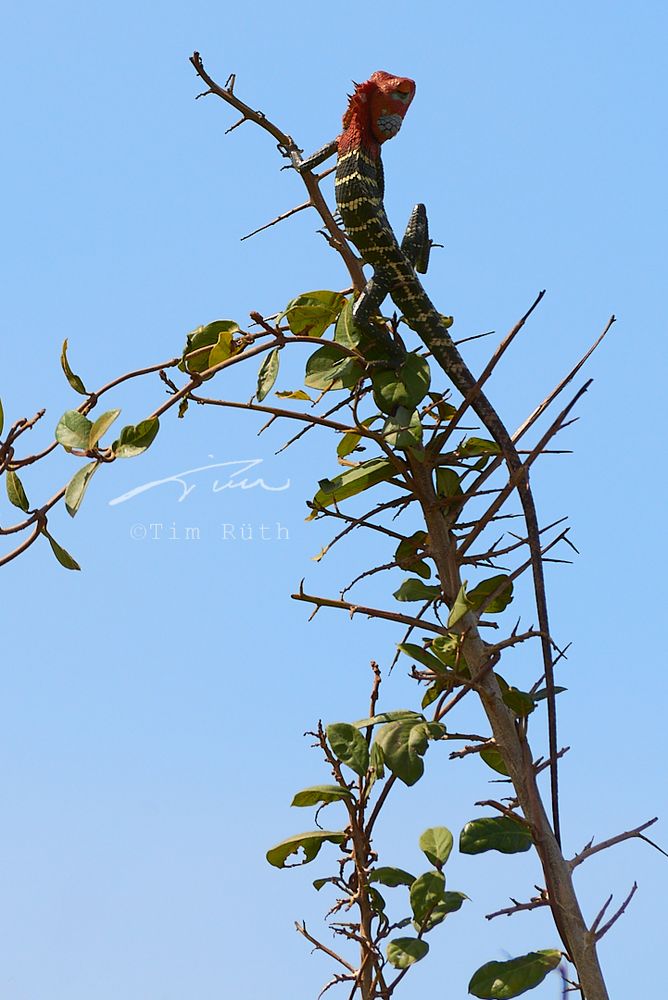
x,y
415,590
61,554
451,902
73,379
504,980
404,952
391,877
448,483
492,757
267,375
404,744
474,446
102,425
436,843
406,386
349,746
495,833
403,429
310,314
426,892
15,492
329,368
422,656
321,793
73,430
77,486
353,481
218,336
310,843
481,594
136,438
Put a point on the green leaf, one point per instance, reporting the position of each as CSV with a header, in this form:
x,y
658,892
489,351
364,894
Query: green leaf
x,y
267,375
77,486
73,430
474,446
542,693
422,656
376,762
403,952
347,331
504,980
479,595
321,793
61,554
15,491
73,379
403,429
101,426
460,607
448,648
495,833
520,702
134,439
353,481
349,746
350,441
310,843
377,901
319,882
404,744
218,336
391,877
446,411
415,590
407,555
452,901
329,368
294,394
406,386
436,844
431,694
396,715
493,758
310,314
426,892
225,346
448,483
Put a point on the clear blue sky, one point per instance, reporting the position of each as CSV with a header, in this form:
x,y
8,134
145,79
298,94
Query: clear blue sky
x,y
153,705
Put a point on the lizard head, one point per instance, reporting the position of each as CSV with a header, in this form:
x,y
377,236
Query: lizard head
x,y
376,110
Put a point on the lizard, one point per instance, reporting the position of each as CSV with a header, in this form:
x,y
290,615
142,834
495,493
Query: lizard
x,y
375,114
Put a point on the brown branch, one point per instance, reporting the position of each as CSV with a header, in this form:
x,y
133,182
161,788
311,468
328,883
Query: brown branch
x,y
533,904
615,917
359,609
592,849
288,148
323,947
279,218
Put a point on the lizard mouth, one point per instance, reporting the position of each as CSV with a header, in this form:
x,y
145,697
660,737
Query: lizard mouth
x,y
389,125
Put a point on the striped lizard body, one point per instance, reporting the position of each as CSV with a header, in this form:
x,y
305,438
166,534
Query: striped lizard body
x,y
375,114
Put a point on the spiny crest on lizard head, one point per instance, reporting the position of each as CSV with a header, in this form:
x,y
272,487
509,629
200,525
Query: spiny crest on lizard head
x,y
376,111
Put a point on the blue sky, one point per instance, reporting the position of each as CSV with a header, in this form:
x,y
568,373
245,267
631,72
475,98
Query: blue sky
x,y
154,705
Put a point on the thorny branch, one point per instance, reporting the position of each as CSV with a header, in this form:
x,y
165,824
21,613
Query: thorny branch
x,y
447,550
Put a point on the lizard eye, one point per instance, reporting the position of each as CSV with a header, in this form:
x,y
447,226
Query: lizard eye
x,y
401,95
